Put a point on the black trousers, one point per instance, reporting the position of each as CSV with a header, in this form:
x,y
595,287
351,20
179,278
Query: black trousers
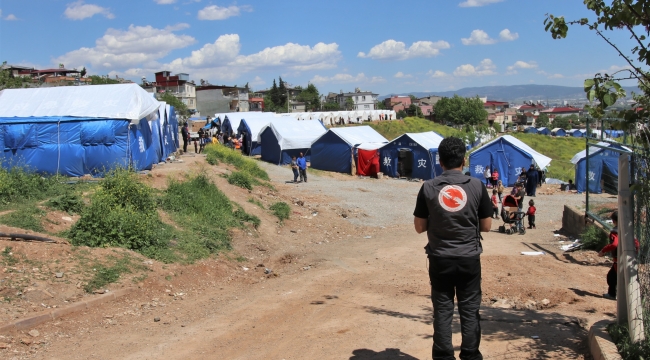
x,y
531,221
185,141
460,277
303,175
612,281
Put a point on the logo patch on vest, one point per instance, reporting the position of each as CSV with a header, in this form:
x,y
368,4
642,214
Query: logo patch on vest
x,y
452,198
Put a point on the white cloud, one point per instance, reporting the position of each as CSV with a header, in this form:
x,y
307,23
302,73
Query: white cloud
x,y
127,48
506,35
437,74
485,67
478,37
347,78
293,56
177,27
11,17
512,69
164,2
475,3
79,11
556,76
257,81
214,12
401,75
396,50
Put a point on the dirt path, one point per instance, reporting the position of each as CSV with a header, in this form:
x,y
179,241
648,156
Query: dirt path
x,y
343,291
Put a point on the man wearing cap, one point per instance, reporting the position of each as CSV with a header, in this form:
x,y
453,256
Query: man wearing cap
x,y
454,209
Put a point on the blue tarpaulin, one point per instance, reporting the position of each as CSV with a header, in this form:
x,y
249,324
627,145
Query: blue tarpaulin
x,y
414,154
335,150
530,130
508,155
600,161
282,140
558,132
544,131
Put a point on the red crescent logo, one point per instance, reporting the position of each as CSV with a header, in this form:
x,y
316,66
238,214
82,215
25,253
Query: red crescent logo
x,y
452,198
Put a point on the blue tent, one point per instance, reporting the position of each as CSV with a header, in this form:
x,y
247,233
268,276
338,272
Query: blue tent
x,y
603,165
250,128
413,155
335,149
284,139
214,124
544,131
78,130
575,133
558,132
531,130
508,155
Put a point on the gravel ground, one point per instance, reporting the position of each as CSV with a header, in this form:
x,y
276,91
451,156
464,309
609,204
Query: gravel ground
x,y
391,202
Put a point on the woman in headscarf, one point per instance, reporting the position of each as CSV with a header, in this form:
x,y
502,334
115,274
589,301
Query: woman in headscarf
x,y
531,181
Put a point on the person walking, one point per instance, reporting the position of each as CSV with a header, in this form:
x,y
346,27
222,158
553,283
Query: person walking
x,y
302,167
463,205
531,181
185,134
487,175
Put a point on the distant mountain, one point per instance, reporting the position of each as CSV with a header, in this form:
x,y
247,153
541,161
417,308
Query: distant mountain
x,y
516,93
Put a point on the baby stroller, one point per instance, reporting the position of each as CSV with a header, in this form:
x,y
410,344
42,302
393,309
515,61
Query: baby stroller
x,y
513,219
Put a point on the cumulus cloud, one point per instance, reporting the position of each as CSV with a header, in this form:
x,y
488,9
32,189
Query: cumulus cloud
x,y
401,75
11,17
127,48
346,78
478,37
512,69
437,74
476,3
164,2
257,81
79,11
214,12
484,68
397,50
506,35
556,76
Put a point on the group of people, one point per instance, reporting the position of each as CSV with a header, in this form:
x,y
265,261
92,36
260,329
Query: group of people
x,y
531,178
204,139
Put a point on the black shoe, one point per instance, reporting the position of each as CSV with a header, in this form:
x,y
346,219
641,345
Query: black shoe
x,y
610,297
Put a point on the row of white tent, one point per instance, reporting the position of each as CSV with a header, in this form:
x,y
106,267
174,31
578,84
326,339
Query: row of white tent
x,y
326,117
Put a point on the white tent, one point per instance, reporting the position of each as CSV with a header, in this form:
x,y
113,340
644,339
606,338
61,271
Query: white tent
x,y
125,101
363,137
295,135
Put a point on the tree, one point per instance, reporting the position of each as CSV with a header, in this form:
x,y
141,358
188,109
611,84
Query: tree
x,y
349,103
461,111
331,106
380,105
401,114
542,120
100,80
282,95
413,98
310,97
181,109
83,72
562,122
414,110
8,81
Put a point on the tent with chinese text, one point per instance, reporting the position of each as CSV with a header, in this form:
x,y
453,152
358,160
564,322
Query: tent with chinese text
x,y
335,150
78,130
508,155
412,155
602,174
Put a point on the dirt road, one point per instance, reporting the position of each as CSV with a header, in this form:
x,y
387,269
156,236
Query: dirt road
x,y
340,290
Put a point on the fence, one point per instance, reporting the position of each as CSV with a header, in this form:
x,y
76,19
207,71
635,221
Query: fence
x,y
640,163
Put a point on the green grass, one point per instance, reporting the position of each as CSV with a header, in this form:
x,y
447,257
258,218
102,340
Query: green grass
x,y
70,202
256,202
594,238
561,150
241,179
626,348
20,184
392,129
104,274
216,153
281,210
26,217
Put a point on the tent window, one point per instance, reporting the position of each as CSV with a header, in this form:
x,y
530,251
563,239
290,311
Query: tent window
x,y
20,136
97,133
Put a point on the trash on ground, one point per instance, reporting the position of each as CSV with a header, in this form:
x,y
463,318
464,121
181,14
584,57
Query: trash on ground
x,y
367,237
571,247
534,337
532,253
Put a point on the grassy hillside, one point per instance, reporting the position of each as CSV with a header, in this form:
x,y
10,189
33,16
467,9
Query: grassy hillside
x,y
395,128
561,150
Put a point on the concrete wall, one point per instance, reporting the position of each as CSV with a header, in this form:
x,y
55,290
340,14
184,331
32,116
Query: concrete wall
x,y
573,221
210,102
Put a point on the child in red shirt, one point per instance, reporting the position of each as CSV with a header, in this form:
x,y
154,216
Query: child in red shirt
x,y
531,214
611,248
495,205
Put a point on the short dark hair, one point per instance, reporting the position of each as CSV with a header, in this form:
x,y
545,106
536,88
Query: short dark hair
x,y
615,216
531,202
451,152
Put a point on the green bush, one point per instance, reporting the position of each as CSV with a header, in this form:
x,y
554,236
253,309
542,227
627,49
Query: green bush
x,y
20,184
241,179
122,213
594,238
216,153
627,349
70,202
199,205
281,210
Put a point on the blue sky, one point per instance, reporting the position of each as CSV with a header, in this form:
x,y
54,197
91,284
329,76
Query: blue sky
x,y
382,46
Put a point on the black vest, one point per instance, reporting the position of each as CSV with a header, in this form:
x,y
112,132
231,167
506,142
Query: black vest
x,y
453,200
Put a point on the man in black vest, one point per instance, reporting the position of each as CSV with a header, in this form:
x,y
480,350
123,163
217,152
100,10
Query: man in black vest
x,y
453,209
